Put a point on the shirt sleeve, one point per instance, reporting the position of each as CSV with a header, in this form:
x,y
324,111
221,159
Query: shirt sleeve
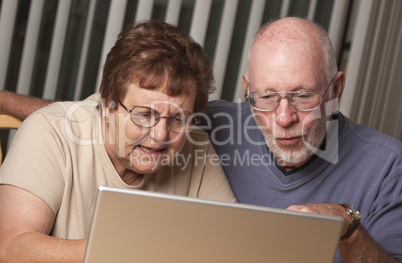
x,y
214,184
384,221
36,160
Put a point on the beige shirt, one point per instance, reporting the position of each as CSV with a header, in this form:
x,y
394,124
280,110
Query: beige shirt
x,y
58,154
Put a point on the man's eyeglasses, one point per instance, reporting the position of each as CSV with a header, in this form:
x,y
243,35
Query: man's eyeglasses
x,y
302,100
147,117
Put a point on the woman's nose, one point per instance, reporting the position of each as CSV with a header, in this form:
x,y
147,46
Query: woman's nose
x,y
160,131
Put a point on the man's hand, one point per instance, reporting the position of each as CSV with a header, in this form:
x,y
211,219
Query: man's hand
x,y
360,246
325,209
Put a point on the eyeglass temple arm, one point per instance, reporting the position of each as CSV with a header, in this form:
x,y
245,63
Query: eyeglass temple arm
x,y
123,105
245,93
329,85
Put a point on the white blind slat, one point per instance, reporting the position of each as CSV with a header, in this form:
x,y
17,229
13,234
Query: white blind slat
x,y
379,65
113,28
173,12
30,45
254,23
370,65
357,56
223,46
337,24
7,21
284,8
397,92
85,48
390,69
199,22
311,10
56,51
144,10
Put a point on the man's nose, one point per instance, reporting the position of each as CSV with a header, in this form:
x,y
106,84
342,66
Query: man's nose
x,y
286,115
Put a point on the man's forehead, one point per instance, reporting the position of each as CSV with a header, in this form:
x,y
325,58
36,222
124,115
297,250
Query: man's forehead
x,y
287,33
288,29
285,61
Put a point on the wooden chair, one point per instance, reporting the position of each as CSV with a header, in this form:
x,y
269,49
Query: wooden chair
x,y
8,122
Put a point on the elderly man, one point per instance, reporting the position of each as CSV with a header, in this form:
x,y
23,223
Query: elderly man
x,y
300,153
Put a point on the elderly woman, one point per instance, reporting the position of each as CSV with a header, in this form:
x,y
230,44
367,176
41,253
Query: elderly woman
x,y
137,133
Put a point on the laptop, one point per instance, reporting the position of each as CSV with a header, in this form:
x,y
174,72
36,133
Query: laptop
x,y
148,227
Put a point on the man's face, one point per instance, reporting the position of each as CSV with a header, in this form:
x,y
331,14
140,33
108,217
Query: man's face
x,y
292,135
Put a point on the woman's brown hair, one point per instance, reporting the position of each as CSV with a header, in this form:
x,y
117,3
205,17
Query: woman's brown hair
x,y
152,54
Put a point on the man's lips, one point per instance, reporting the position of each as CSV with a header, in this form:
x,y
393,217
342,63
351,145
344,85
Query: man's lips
x,y
289,141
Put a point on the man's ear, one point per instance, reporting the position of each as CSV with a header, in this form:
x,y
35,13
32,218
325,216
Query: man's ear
x,y
339,84
245,82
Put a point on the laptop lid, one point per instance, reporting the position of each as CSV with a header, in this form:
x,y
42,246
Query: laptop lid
x,y
140,226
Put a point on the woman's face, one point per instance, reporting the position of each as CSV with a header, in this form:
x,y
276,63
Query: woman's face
x,y
144,150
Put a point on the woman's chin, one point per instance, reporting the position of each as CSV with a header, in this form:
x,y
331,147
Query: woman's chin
x,y
146,169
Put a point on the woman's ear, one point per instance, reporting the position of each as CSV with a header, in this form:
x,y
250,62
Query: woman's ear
x,y
108,105
111,105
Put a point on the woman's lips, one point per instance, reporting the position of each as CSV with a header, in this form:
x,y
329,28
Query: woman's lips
x,y
151,151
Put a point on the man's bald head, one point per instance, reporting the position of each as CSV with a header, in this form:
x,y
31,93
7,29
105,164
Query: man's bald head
x,y
296,33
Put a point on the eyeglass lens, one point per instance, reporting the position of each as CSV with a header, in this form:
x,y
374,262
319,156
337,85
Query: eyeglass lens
x,y
147,117
303,100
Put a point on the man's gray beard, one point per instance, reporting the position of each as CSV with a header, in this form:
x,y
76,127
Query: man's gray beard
x,y
312,138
